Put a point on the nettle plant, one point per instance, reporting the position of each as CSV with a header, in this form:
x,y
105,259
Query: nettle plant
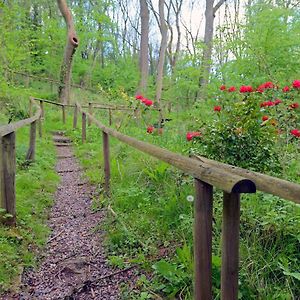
x,y
251,125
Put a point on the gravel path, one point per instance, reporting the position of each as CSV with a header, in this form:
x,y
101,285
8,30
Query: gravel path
x,y
74,264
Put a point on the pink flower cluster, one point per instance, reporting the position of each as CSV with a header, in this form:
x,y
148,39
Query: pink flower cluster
x,y
143,100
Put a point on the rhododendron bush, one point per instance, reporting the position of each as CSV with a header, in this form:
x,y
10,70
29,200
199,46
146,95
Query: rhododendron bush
x,y
251,125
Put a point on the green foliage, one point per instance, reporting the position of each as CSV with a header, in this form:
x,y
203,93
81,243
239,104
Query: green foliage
x,y
35,186
236,135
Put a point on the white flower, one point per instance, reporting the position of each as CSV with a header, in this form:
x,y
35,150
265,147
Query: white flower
x,y
190,198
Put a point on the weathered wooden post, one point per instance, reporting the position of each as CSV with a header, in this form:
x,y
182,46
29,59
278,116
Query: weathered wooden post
x,y
7,178
83,127
31,151
106,163
42,109
110,116
230,246
63,113
75,116
40,127
90,112
30,107
203,240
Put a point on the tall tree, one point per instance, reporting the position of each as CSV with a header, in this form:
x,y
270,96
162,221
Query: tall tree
x,y
144,47
72,44
162,51
210,13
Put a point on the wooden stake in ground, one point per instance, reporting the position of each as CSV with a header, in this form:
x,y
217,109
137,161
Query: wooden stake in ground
x,y
72,44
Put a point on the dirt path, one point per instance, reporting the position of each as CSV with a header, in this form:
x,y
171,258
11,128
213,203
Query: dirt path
x,y
74,266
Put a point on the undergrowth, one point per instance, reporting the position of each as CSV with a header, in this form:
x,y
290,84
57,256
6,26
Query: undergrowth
x,y
152,221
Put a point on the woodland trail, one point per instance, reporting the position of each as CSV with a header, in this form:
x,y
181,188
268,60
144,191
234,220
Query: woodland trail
x,y
74,263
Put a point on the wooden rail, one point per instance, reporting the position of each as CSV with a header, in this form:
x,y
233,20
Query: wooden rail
x,y
207,174
8,162
90,106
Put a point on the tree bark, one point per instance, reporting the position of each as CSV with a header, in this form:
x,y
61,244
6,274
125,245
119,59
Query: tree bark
x,y
162,52
144,48
71,45
210,12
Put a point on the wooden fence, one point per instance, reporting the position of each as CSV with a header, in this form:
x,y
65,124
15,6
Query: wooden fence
x,y
206,173
8,161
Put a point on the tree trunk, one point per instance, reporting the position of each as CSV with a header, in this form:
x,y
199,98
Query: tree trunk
x,y
144,48
162,52
210,12
72,44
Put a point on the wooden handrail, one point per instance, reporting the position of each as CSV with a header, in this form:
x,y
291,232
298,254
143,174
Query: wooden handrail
x,y
207,174
8,161
265,183
7,129
226,181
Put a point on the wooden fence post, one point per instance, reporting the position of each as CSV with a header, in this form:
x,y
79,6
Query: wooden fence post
x,y
203,240
75,116
31,151
230,246
63,114
42,109
106,163
7,178
83,127
30,107
110,116
90,112
40,127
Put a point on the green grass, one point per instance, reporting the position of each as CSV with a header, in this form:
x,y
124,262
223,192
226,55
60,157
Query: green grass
x,y
154,217
35,187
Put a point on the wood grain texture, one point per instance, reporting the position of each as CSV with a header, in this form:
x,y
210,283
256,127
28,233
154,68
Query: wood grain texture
x,y
203,207
230,246
7,177
32,140
265,183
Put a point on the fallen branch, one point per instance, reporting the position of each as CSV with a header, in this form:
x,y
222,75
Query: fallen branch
x,y
56,236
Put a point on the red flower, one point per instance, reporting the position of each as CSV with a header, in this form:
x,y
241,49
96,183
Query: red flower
x,y
217,108
223,87
267,103
265,118
264,86
232,89
148,103
139,97
191,134
269,85
246,89
150,129
295,132
294,105
286,89
277,101
296,84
